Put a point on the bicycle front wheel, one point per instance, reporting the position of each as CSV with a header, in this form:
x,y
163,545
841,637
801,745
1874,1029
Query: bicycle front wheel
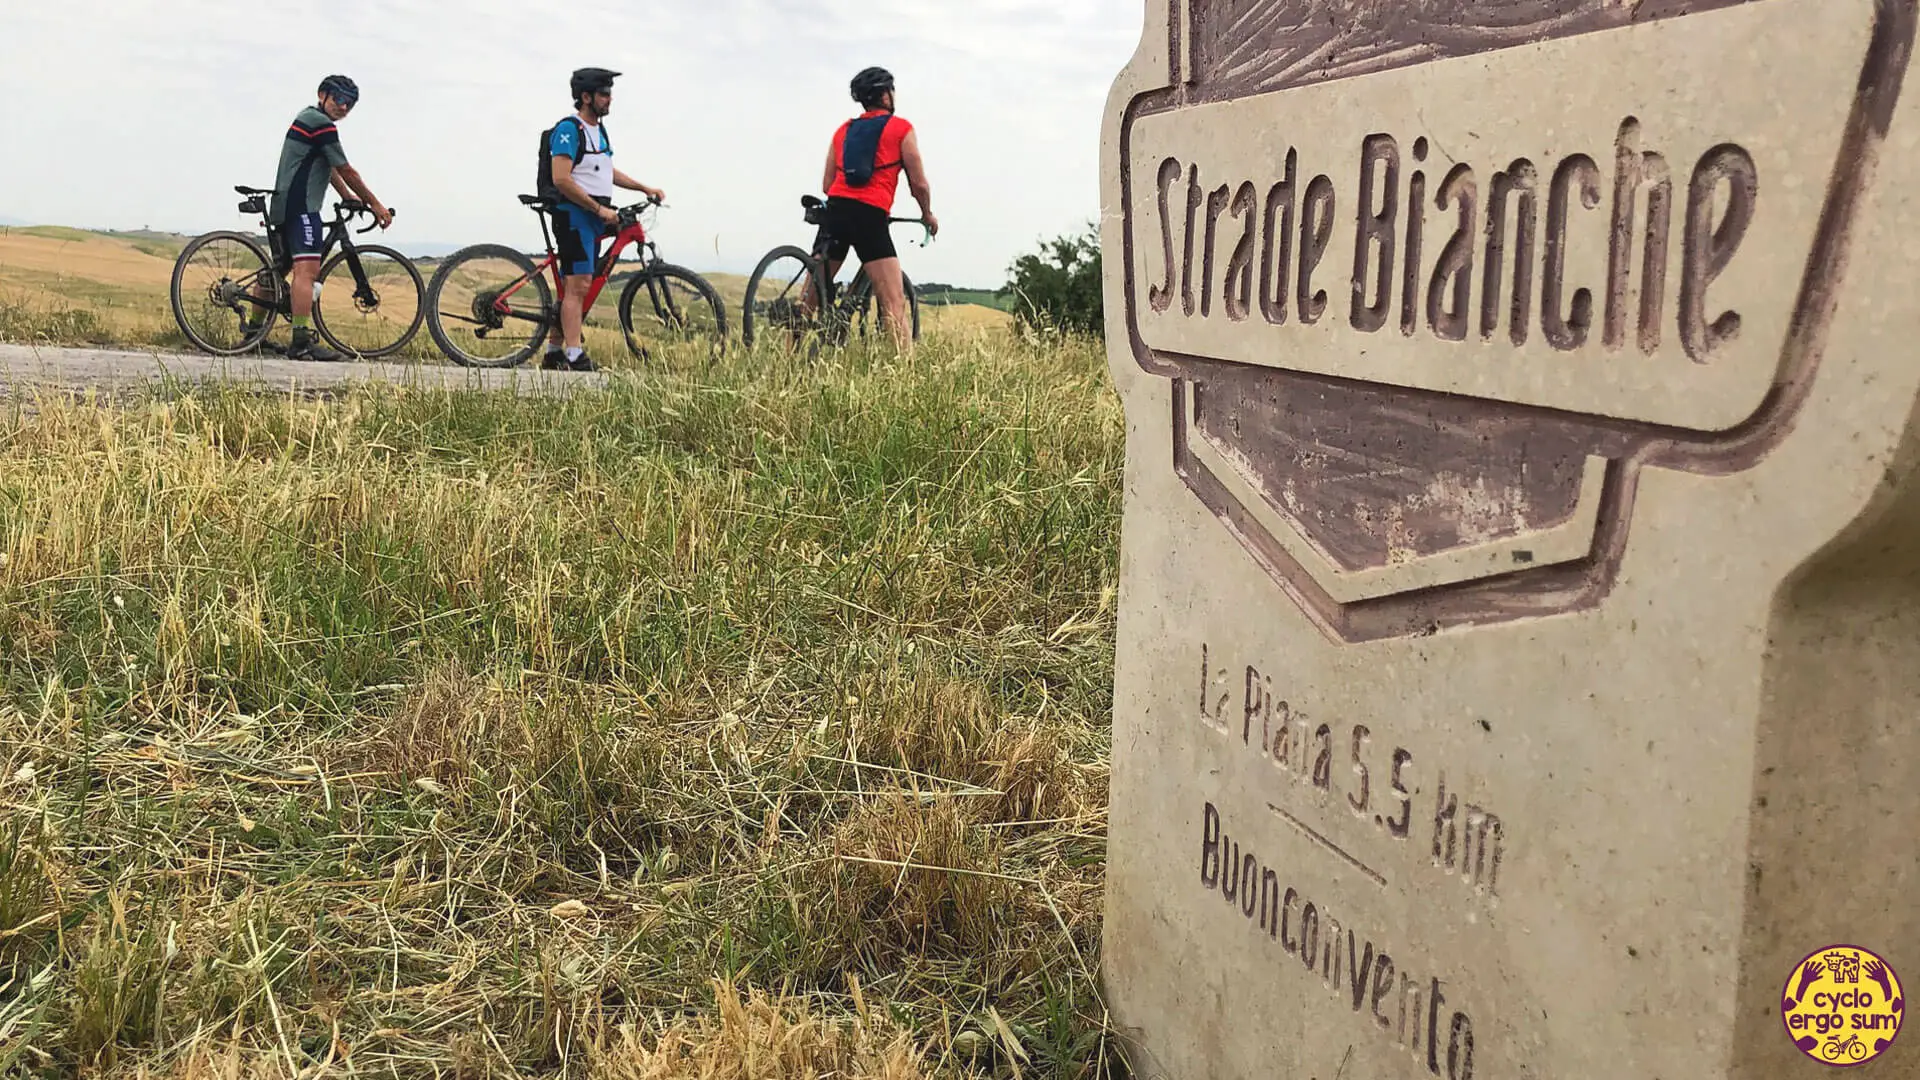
x,y
665,306
864,307
489,306
785,296
225,294
372,313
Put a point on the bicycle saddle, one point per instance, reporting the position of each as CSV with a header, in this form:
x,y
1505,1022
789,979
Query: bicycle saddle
x,y
808,202
536,202
245,190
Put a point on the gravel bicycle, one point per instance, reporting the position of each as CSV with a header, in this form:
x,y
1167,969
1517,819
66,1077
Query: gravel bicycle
x,y
791,292
228,289
490,305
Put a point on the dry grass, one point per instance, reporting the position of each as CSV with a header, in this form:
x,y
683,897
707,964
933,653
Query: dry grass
x,y
462,734
756,1037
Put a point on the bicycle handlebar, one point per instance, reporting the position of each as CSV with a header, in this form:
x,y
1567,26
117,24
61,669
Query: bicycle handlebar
x,y
922,222
351,208
630,213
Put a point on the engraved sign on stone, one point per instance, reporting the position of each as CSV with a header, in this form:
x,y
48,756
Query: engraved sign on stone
x,y
1518,664
1536,244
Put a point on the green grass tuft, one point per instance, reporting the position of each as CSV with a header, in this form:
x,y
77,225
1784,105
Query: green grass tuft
x,y
23,321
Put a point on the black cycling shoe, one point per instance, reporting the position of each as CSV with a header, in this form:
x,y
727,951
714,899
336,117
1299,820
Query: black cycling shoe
x,y
304,347
555,360
249,329
582,364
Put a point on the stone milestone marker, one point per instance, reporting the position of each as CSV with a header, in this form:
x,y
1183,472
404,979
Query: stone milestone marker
x,y
1519,662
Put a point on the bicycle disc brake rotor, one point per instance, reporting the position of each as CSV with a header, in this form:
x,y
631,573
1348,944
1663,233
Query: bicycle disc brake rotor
x,y
367,302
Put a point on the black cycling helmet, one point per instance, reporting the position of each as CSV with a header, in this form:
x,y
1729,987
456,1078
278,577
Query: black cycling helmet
x,y
591,80
340,88
870,85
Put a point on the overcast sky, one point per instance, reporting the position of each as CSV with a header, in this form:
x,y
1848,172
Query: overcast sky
x,y
129,115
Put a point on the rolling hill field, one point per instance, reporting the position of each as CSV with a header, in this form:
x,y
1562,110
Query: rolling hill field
x,y
80,287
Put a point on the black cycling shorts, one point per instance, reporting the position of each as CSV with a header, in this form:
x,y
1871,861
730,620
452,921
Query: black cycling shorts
x,y
853,224
297,239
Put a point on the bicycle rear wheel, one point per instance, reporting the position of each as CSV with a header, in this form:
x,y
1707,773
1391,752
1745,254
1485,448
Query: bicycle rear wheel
x,y
864,307
380,318
489,306
225,294
785,298
665,306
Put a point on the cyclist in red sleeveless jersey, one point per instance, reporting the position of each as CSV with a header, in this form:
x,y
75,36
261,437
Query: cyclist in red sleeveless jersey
x,y
858,206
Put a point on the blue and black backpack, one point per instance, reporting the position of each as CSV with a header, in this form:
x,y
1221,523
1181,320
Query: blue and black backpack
x,y
860,149
543,182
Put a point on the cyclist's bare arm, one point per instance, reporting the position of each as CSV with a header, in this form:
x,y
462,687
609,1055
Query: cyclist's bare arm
x,y
351,177
622,180
917,180
826,178
564,182
339,186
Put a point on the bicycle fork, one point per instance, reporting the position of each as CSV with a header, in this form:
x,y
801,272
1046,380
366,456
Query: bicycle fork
x,y
362,289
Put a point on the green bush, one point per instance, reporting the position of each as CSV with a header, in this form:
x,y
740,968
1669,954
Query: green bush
x,y
1058,288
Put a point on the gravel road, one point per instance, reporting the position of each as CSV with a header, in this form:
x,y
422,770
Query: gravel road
x,y
28,368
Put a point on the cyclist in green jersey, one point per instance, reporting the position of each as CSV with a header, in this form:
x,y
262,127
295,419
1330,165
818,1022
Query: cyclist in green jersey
x,y
311,160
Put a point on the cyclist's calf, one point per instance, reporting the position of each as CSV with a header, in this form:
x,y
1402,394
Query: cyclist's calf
x,y
891,294
573,300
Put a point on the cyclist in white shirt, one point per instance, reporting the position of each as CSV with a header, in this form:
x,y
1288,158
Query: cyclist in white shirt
x,y
583,177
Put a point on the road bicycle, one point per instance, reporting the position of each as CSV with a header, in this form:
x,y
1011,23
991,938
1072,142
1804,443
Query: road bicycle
x,y
228,289
791,292
489,305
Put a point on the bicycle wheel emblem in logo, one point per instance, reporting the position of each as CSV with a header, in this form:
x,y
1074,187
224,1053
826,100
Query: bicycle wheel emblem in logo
x,y
1843,1006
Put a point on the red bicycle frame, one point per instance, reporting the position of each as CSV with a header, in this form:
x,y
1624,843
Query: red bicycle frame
x,y
631,234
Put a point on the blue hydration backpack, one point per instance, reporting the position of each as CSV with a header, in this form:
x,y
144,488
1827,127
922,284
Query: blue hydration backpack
x,y
860,149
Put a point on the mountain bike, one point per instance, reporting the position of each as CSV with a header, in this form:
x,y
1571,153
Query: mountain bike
x,y
490,306
228,289
791,292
